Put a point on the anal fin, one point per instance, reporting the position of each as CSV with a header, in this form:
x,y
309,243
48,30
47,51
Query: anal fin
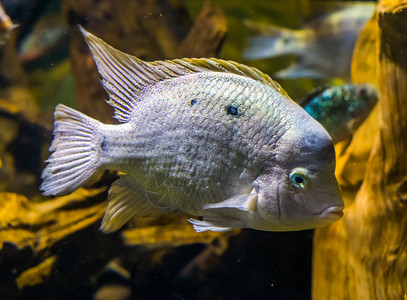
x,y
127,200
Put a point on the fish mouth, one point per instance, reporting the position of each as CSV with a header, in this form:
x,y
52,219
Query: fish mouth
x,y
333,212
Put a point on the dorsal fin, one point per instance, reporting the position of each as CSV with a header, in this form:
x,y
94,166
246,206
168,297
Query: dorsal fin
x,y
125,75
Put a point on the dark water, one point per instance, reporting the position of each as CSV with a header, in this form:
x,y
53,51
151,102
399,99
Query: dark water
x,y
256,265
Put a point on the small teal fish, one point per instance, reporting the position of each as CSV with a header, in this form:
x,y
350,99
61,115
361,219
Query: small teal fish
x,y
324,46
342,109
208,137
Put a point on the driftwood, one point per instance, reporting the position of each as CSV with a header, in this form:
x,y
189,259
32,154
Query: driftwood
x,y
39,225
205,37
41,228
364,256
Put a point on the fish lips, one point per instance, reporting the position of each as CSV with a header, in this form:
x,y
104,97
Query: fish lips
x,y
334,212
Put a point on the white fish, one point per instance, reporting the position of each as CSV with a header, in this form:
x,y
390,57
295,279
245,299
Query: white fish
x,y
208,137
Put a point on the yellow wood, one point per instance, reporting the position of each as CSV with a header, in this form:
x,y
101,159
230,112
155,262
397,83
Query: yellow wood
x,y
364,256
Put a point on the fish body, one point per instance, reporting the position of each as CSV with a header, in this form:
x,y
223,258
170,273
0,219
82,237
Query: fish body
x,y
204,136
342,109
323,47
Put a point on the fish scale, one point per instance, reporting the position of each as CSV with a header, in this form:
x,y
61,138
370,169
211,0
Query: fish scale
x,y
207,137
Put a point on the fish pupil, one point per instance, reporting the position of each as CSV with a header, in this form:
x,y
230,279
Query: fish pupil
x,y
299,179
193,101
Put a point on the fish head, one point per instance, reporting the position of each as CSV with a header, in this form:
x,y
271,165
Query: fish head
x,y
300,190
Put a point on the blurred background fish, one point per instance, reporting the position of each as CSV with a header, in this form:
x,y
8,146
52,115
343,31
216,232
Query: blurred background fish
x,y
48,41
342,109
323,47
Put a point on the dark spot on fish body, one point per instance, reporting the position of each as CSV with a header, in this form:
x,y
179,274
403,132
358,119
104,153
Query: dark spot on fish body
x,y
285,40
233,110
103,144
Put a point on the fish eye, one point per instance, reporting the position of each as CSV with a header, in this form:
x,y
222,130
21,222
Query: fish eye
x,y
298,177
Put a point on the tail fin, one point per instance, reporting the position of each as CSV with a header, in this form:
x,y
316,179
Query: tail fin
x,y
75,148
274,41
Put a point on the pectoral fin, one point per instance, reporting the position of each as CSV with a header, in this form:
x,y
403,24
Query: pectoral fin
x,y
242,202
125,201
